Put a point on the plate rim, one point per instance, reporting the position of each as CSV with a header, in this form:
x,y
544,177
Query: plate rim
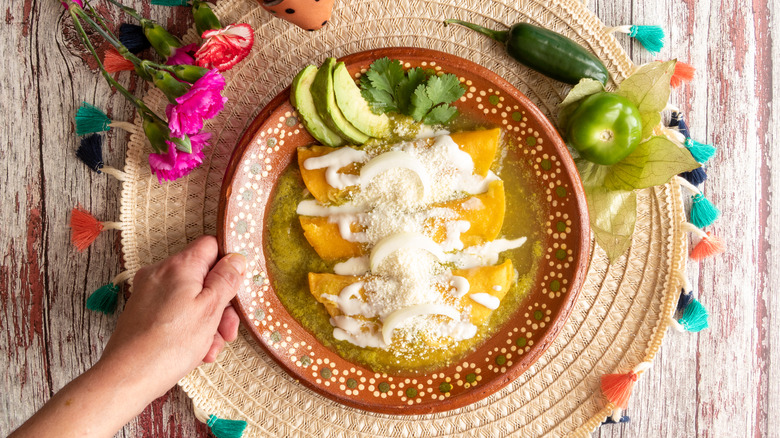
x,y
537,350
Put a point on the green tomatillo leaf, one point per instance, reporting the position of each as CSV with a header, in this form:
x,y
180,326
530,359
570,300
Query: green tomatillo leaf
x,y
648,88
586,87
612,218
653,162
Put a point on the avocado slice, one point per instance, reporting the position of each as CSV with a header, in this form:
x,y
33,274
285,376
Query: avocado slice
x,y
354,106
325,102
300,96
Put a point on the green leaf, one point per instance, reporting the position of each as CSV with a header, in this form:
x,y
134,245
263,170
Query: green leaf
x,y
591,174
421,103
612,218
648,88
380,101
440,115
414,78
586,87
649,122
652,163
444,89
385,74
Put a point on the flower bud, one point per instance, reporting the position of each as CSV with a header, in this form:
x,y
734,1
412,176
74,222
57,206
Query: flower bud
x,y
157,133
189,73
205,19
169,85
162,40
182,144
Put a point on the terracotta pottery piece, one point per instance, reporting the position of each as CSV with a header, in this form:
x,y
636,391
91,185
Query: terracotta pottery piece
x,y
269,146
306,14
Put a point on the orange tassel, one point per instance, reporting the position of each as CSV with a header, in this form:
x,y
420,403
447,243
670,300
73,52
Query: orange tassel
x,y
114,62
617,387
709,245
84,228
683,72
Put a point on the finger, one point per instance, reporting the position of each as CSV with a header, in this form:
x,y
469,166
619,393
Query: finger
x,y
228,326
222,281
201,253
216,347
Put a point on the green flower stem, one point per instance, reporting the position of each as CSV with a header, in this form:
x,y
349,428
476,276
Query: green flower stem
x,y
110,38
145,111
128,10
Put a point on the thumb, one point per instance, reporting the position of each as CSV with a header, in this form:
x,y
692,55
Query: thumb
x,y
222,281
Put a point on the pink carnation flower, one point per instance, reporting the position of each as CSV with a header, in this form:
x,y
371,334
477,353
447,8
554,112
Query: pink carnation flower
x,y
175,164
204,101
183,55
66,4
224,48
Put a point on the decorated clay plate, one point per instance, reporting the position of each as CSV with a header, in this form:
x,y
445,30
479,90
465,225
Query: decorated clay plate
x,y
559,218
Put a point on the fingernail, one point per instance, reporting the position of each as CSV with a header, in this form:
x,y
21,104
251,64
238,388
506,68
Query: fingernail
x,y
238,261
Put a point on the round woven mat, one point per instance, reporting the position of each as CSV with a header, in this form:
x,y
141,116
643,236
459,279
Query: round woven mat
x,y
619,319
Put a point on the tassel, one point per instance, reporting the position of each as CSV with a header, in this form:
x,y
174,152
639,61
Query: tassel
x,y
90,152
222,428
703,213
114,62
104,299
685,299
708,246
90,119
678,121
683,72
85,228
650,37
701,152
696,176
132,36
617,387
694,318
170,2
621,419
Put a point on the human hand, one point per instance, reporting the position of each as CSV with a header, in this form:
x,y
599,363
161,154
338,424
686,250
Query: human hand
x,y
178,315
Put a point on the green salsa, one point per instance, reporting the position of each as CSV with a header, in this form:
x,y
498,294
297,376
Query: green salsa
x,y
291,258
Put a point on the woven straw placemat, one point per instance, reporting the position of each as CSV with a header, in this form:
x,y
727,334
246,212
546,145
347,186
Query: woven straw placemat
x,y
619,319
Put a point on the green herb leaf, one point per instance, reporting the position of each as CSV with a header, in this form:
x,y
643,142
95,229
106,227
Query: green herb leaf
x,y
440,115
421,103
385,74
652,163
612,218
379,101
414,78
444,89
586,87
648,88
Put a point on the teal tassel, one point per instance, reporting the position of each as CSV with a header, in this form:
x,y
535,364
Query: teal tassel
x,y
226,428
694,318
170,2
89,119
703,213
701,152
651,37
104,299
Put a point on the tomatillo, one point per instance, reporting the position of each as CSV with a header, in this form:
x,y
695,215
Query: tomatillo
x,y
605,128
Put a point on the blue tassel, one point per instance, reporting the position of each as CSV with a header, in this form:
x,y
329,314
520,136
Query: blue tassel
x,y
703,213
90,152
89,119
694,318
623,419
104,299
696,176
701,152
132,36
678,121
651,37
684,301
226,428
170,2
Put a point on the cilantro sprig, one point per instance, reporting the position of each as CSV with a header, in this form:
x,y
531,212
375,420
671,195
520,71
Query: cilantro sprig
x,y
422,95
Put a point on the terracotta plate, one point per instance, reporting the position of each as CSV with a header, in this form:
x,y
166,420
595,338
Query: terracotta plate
x,y
269,145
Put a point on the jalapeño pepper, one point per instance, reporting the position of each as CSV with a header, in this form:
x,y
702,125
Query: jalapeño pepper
x,y
545,51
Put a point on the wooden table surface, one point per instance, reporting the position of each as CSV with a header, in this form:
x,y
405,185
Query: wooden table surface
x,y
722,382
